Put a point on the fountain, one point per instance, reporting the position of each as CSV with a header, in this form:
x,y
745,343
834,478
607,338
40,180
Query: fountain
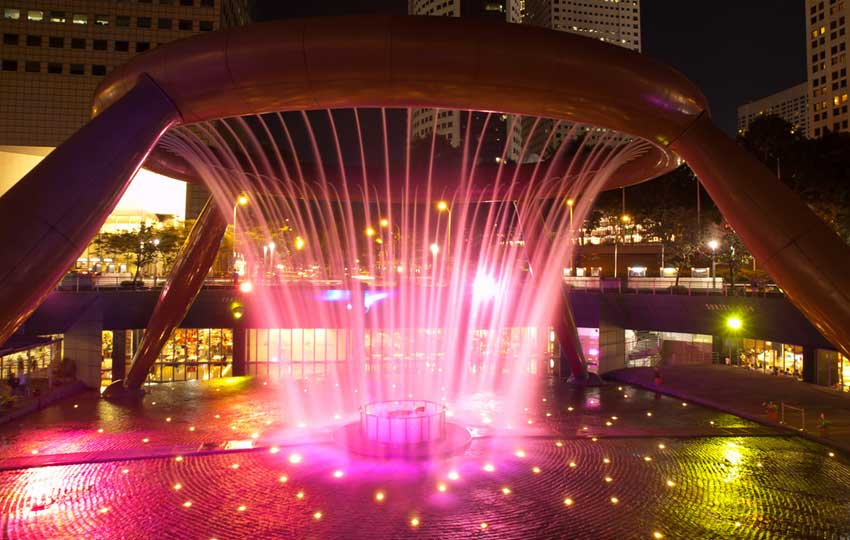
x,y
423,280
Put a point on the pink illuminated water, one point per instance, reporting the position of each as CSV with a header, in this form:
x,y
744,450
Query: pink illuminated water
x,y
427,272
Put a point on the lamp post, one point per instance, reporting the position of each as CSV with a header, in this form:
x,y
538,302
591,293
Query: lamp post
x,y
242,200
443,206
713,245
155,259
625,218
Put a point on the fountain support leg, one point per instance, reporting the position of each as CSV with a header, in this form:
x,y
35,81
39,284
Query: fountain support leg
x,y
572,357
800,252
48,218
182,286
566,331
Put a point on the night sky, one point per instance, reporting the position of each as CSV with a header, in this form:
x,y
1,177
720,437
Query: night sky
x,y
735,50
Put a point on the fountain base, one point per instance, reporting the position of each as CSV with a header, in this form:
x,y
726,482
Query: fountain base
x,y
456,440
403,429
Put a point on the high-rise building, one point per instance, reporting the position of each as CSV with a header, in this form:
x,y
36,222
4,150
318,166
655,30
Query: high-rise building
x,y
791,104
56,52
826,26
613,21
452,124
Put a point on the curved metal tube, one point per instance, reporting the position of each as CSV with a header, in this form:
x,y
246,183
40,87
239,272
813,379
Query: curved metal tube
x,y
805,257
48,218
183,285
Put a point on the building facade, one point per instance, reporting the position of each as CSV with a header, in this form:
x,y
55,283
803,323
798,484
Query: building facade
x,y
56,52
452,124
826,45
792,105
614,22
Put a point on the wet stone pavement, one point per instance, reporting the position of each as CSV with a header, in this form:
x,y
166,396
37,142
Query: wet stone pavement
x,y
222,460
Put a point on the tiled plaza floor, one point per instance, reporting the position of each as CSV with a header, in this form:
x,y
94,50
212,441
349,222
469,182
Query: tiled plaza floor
x,y
662,468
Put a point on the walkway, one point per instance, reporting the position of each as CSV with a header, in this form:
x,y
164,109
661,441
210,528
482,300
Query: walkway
x,y
743,392
220,460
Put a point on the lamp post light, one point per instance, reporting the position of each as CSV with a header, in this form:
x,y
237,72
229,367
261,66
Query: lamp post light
x,y
155,259
443,206
734,324
713,244
625,218
242,200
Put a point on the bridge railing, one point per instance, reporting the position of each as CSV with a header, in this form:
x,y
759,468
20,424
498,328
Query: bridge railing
x,y
593,285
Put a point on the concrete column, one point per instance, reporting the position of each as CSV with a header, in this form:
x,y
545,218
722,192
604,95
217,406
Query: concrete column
x,y
810,366
119,354
240,352
612,347
83,345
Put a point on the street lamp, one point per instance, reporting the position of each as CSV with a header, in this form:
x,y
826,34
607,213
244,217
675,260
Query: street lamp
x,y
443,206
435,249
370,232
625,218
241,200
155,259
713,244
299,243
733,324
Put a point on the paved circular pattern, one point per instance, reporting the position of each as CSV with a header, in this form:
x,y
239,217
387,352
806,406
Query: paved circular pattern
x,y
611,462
759,487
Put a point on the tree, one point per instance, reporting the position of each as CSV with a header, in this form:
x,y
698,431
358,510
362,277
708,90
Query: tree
x,y
143,245
677,228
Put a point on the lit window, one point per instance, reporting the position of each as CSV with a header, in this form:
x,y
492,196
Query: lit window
x,y
12,14
80,19
57,16
101,20
35,15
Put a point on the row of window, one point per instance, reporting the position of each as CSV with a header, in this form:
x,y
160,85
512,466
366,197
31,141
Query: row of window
x,y
60,17
58,42
57,68
123,21
836,127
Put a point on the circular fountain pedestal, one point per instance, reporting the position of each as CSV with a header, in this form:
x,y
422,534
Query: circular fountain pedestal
x,y
403,428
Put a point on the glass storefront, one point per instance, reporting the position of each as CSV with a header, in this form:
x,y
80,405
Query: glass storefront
x,y
313,352
194,354
772,358
34,359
